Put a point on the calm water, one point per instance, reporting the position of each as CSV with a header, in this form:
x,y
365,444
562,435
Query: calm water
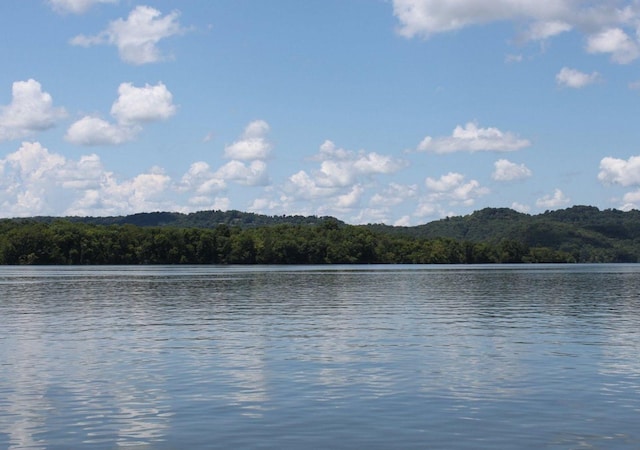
x,y
320,357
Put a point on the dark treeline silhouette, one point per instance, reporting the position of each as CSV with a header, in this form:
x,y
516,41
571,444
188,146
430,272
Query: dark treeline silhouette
x,y
509,237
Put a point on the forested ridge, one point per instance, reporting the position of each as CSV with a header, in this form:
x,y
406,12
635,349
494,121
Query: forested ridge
x,y
491,235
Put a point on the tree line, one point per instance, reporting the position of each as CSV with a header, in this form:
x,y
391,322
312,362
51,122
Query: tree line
x,y
328,242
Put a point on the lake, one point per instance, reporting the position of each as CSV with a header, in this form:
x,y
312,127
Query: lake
x,y
402,357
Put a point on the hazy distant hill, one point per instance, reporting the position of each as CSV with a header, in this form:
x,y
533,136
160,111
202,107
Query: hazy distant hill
x,y
201,219
576,230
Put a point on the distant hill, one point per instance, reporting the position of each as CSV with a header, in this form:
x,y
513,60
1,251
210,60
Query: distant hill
x,y
583,231
576,234
201,219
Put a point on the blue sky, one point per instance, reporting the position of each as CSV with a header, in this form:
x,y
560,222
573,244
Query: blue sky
x,y
394,111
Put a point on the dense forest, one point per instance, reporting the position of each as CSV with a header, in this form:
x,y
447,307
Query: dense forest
x,y
492,235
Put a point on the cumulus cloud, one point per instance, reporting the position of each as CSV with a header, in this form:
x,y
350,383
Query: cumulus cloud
x,y
96,131
453,188
302,186
33,178
202,180
620,171
252,174
340,182
144,192
505,170
631,200
555,200
472,138
137,36
575,79
37,181
253,144
75,6
134,107
520,207
143,104
31,110
341,168
394,194
351,198
616,42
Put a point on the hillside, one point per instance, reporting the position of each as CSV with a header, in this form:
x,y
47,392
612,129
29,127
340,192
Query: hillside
x,y
576,234
200,219
583,231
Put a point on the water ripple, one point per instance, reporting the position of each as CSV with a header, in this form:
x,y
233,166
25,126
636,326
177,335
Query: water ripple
x,y
339,357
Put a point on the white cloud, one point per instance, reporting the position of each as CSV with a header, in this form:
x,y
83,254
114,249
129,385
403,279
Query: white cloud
x,y
555,200
201,180
404,221
520,207
619,171
32,162
471,138
394,194
254,174
34,179
301,186
631,200
607,25
429,208
144,192
351,198
144,104
75,6
542,30
96,131
342,168
445,182
30,110
253,144
506,170
137,37
575,79
427,17
134,107
340,183
615,41
453,188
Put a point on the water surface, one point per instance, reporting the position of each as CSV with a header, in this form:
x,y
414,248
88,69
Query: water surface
x,y
320,357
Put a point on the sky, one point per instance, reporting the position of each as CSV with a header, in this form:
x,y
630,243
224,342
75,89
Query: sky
x,y
372,111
